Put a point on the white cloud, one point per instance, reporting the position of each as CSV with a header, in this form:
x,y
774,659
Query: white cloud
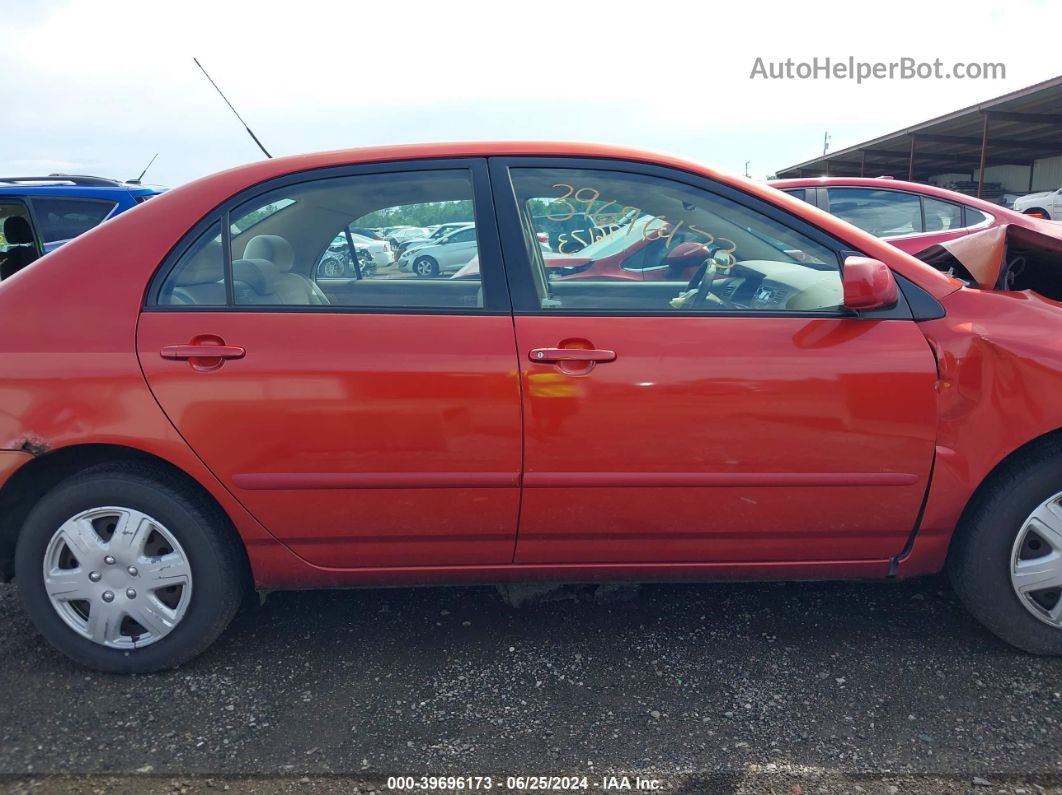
x,y
104,86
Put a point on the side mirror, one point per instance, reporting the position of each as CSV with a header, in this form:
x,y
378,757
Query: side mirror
x,y
868,284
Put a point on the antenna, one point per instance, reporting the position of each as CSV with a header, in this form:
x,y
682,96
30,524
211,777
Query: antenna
x,y
142,173
238,116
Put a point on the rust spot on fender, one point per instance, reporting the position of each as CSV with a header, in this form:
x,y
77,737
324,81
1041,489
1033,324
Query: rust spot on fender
x,y
34,445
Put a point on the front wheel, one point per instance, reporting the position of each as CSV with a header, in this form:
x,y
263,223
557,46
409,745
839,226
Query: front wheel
x,y
124,570
426,267
1040,211
1006,560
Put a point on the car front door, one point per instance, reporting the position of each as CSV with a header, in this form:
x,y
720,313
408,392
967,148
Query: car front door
x,y
364,422
741,415
460,247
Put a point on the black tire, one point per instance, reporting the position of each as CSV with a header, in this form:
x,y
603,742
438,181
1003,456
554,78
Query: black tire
x,y
218,565
428,265
1039,211
979,561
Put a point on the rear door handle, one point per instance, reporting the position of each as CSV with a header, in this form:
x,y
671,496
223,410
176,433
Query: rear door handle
x,y
202,352
552,355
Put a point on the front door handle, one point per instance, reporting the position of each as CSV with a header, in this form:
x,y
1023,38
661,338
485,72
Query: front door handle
x,y
202,352
553,355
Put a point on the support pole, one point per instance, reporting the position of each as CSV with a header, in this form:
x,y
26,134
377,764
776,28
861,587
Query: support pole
x,y
910,161
984,151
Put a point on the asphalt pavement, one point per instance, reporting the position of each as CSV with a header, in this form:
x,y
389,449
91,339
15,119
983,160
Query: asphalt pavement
x,y
792,687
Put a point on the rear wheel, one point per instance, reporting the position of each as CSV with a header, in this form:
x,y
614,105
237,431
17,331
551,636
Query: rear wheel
x,y
1040,211
1006,561
123,570
426,267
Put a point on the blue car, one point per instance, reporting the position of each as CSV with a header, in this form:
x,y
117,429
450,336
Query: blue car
x,y
39,214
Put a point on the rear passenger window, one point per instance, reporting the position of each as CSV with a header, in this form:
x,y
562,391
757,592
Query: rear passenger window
x,y
973,217
883,213
62,219
198,278
316,244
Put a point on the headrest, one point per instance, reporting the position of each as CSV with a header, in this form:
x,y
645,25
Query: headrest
x,y
273,248
258,274
17,230
205,267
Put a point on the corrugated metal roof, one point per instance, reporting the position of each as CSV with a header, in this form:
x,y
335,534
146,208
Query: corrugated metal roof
x,y
1023,126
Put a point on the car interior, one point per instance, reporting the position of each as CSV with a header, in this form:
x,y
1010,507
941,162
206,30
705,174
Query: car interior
x,y
278,240
19,247
693,250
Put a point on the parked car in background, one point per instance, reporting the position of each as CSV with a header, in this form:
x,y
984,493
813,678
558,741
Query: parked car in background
x,y
336,261
435,233
185,409
446,255
39,214
397,236
1046,204
909,215
372,253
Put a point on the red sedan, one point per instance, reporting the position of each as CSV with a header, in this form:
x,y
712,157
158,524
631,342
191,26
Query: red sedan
x,y
189,409
909,215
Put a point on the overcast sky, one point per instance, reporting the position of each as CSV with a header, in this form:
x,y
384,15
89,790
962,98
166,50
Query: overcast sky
x,y
98,88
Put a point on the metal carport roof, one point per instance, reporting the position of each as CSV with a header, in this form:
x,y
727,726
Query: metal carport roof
x,y
1016,128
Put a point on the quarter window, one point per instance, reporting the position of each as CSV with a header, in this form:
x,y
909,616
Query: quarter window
x,y
941,216
644,243
973,217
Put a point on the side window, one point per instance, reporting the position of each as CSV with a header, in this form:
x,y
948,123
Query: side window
x,y
297,246
800,193
660,245
63,219
972,217
301,248
198,277
941,216
883,213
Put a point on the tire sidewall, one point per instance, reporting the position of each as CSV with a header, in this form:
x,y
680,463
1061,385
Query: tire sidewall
x,y
180,517
980,570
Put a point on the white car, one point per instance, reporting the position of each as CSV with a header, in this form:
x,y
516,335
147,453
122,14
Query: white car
x,y
448,254
1048,204
335,262
439,231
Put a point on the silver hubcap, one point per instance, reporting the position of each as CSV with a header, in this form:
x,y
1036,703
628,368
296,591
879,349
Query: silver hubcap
x,y
117,577
424,268
1036,562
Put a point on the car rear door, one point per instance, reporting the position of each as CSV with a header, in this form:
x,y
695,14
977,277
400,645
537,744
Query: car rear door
x,y
381,428
743,423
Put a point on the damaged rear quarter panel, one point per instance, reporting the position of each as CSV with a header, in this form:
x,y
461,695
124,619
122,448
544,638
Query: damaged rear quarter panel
x,y
1000,361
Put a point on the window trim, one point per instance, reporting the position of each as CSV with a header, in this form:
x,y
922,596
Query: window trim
x,y
493,274
519,267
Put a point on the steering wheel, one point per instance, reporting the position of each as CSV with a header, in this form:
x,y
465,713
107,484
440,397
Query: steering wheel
x,y
700,281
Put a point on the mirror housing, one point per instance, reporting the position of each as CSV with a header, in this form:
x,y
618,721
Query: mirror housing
x,y
868,284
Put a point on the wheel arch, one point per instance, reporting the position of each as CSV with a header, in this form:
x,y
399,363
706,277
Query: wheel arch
x,y
39,475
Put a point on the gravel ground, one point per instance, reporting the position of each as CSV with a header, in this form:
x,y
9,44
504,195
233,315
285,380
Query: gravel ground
x,y
797,687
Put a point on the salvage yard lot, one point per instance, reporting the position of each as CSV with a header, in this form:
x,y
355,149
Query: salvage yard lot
x,y
704,686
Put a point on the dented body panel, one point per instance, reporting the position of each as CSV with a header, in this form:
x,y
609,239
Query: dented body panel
x,y
999,355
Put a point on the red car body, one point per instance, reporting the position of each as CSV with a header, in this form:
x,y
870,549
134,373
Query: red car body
x,y
817,194
355,449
